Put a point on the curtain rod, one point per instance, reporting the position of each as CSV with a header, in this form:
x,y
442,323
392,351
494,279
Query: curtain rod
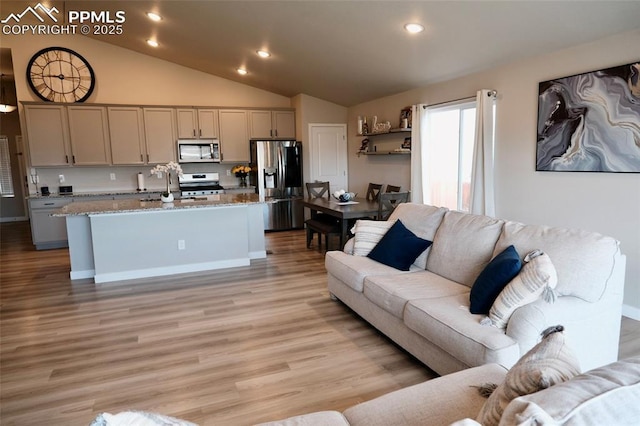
x,y
493,93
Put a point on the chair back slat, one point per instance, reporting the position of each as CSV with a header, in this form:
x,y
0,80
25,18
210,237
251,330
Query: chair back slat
x,y
373,191
317,189
389,201
392,188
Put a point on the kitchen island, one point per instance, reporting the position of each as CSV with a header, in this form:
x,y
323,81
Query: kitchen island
x,y
113,240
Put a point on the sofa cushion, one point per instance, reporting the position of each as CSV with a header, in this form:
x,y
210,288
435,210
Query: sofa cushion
x,y
399,247
352,270
367,234
607,395
463,246
421,219
435,402
447,323
320,418
537,275
392,294
584,260
549,362
493,278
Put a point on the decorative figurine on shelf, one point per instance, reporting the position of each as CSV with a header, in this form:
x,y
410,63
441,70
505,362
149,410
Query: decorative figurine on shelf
x,y
364,145
365,126
241,171
166,195
407,143
405,118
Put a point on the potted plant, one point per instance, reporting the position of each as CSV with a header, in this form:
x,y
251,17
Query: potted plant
x,y
166,195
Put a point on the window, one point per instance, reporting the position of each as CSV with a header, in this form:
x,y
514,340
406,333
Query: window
x,y
6,181
449,156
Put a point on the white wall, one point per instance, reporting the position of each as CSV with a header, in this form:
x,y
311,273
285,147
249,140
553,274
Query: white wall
x,y
608,203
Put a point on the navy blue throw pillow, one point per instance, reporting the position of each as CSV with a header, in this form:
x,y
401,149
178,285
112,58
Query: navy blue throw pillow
x,y
493,278
399,247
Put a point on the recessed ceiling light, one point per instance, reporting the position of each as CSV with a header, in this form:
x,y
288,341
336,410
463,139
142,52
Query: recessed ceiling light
x,y
154,16
414,28
263,53
152,43
242,71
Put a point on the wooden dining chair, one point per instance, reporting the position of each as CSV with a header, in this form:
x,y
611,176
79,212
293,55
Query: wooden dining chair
x,y
392,188
321,223
389,201
373,191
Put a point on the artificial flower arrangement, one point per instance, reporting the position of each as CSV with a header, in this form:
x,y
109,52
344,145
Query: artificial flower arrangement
x,y
166,169
240,170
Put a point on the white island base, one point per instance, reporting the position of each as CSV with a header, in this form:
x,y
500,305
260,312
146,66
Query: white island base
x,y
140,244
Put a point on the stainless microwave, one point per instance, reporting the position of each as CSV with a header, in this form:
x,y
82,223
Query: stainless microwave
x,y
198,151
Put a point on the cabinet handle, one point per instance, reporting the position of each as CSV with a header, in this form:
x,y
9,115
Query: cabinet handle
x,y
74,159
271,132
66,159
147,158
141,158
48,204
200,132
194,133
276,132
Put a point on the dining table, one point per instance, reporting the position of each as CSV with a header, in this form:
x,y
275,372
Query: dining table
x,y
358,208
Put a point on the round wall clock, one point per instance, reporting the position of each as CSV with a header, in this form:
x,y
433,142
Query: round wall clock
x,y
58,74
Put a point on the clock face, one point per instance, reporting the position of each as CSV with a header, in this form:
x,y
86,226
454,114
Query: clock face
x,y
58,74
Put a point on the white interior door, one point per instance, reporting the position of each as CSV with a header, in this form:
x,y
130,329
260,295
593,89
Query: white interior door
x,y
328,157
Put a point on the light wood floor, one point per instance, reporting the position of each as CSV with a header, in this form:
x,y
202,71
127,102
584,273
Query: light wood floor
x,y
234,347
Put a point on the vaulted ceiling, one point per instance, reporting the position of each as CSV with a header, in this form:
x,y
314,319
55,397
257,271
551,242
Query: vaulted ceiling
x,y
349,52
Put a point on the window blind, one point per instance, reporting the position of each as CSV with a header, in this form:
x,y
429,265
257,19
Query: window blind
x,y
6,181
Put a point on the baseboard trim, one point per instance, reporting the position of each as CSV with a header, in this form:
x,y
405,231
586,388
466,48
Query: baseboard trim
x,y
631,312
14,219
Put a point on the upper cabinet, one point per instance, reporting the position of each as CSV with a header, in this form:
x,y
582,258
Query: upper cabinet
x,y
126,132
234,135
199,123
160,132
48,135
272,124
89,134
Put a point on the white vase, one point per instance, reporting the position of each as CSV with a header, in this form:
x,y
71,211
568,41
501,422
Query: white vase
x,y
167,199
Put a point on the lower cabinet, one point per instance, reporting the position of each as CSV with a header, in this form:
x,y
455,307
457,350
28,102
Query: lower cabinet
x,y
48,232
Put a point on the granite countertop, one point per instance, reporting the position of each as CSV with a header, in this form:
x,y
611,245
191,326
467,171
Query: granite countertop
x,y
133,205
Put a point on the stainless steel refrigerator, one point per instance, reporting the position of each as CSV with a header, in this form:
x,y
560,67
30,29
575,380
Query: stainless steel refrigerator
x,y
276,172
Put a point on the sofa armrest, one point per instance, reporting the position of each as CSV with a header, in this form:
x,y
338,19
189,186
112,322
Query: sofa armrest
x,y
587,326
440,401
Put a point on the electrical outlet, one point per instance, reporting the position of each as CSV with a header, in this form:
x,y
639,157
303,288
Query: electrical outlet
x,y
181,245
229,172
112,176
61,178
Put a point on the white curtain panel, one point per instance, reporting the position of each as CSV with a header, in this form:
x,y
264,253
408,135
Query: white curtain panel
x,y
482,176
418,150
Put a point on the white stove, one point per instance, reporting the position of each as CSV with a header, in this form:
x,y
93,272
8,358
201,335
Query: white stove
x,y
194,184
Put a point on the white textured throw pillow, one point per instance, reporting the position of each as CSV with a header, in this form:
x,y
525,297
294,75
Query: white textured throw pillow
x,y
538,275
367,235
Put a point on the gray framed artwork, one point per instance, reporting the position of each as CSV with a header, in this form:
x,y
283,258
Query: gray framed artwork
x,y
590,122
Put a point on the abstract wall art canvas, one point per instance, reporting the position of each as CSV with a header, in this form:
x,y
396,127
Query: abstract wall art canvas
x,y
590,122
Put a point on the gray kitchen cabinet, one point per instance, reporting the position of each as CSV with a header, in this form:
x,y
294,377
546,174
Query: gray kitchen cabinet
x,y
47,135
198,123
234,136
48,232
272,124
126,133
89,134
160,134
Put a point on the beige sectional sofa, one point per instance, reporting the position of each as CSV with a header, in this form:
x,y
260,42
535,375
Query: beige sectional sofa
x,y
426,309
607,395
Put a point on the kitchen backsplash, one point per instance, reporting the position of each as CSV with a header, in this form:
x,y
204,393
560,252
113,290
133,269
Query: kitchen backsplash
x,y
98,179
